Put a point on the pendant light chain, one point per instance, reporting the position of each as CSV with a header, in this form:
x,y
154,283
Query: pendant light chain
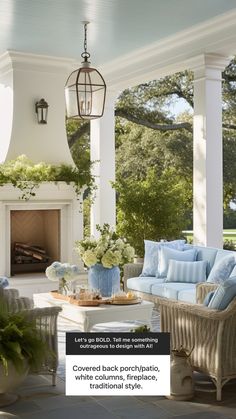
x,y
85,54
85,37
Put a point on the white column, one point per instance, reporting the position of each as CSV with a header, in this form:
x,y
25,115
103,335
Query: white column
x,y
207,149
102,149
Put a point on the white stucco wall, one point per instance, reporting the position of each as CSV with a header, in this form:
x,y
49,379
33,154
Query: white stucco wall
x,y
25,79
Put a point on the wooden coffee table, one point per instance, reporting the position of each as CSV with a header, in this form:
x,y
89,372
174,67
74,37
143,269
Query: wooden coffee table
x,y
87,317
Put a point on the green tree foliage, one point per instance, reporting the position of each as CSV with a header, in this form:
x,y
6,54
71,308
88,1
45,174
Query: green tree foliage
x,y
229,218
141,148
151,208
78,140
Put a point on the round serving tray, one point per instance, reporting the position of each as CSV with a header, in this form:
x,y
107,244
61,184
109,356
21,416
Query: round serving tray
x,y
126,301
87,303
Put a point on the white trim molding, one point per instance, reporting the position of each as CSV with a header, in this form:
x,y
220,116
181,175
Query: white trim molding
x,y
25,61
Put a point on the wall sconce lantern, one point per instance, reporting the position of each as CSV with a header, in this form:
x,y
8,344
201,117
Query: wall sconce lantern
x,y
41,109
85,89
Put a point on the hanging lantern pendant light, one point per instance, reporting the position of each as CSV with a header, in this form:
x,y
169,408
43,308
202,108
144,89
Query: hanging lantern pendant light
x,y
85,89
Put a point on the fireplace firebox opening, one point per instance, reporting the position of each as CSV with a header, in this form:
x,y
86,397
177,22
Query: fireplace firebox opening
x,y
35,239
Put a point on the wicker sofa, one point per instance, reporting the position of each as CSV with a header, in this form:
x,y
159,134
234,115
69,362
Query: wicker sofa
x,y
154,289
46,322
211,334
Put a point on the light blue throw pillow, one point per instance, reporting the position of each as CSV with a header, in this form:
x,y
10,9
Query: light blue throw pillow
x,y
223,295
151,259
188,272
222,270
166,254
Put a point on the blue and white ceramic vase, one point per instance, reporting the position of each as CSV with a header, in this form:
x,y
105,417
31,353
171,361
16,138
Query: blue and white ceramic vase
x,y
106,280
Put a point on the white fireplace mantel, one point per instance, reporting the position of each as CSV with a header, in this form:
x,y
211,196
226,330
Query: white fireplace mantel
x,y
48,196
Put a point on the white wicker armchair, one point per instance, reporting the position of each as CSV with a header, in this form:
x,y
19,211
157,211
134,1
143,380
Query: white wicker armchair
x,y
46,322
212,333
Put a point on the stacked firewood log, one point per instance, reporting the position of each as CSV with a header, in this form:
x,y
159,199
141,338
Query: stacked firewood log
x,y
27,253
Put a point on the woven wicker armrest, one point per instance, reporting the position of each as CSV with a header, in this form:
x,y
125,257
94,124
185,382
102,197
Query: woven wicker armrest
x,y
45,319
19,304
13,301
131,270
202,289
36,313
9,293
197,310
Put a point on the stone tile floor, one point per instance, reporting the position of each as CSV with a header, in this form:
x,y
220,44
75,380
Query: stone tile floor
x,y
39,400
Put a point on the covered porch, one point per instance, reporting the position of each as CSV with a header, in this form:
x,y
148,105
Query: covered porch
x,y
131,42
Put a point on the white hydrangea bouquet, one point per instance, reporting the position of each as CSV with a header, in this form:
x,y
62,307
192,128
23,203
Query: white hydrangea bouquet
x,y
62,271
109,250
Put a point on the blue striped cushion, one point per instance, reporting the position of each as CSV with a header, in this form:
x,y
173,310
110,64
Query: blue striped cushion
x,y
167,254
192,272
223,295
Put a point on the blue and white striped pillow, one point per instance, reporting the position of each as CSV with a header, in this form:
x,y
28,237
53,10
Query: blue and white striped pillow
x,y
166,254
188,272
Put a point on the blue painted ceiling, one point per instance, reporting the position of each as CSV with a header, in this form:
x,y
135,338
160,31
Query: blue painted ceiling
x,y
53,27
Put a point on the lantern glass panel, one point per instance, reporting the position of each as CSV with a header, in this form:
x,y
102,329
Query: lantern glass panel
x,y
71,101
97,104
72,78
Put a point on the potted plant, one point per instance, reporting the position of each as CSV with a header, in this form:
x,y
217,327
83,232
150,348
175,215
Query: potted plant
x,y
21,349
104,258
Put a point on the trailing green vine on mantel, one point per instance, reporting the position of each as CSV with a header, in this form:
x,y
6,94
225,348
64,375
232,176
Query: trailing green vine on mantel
x,y
27,176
